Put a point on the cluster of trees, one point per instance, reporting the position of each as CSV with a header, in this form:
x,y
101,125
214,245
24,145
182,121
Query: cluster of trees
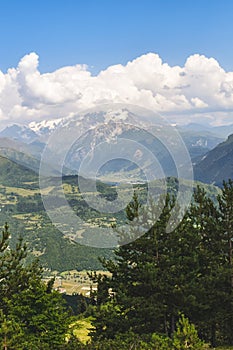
x,y
161,274
161,285
29,204
32,315
185,337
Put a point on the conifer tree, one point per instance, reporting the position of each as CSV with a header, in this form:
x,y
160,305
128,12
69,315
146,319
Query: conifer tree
x,y
159,274
139,276
225,201
33,316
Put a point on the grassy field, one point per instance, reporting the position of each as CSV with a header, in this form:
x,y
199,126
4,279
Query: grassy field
x,y
82,328
75,282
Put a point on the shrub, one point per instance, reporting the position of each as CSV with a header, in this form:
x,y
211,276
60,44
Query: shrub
x,y
186,336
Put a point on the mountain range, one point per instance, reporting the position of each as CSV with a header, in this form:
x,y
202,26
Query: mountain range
x,y
25,144
21,149
22,208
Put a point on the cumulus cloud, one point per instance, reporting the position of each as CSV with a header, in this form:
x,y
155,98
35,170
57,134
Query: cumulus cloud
x,y
201,88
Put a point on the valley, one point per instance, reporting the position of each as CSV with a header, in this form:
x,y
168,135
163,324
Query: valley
x,y
59,248
116,175
22,208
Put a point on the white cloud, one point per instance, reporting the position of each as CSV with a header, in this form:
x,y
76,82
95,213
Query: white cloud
x,y
200,88
198,103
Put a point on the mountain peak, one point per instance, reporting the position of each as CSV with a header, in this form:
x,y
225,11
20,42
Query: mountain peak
x,y
216,166
19,133
45,125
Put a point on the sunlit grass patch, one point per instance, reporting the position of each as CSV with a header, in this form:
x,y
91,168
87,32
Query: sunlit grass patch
x,y
81,329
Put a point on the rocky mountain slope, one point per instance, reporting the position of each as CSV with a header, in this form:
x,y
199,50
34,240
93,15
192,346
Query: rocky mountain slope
x,y
97,127
217,164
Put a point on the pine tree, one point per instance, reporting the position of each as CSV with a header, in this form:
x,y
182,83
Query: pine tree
x,y
32,314
101,296
42,315
186,336
225,201
139,276
161,273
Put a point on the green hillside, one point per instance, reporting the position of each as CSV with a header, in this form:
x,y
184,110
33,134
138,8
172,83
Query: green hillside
x,y
21,206
14,174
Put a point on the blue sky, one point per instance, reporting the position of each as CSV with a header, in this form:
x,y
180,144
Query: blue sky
x,y
101,33
172,56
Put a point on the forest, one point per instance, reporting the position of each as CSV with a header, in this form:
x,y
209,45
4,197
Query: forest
x,y
165,290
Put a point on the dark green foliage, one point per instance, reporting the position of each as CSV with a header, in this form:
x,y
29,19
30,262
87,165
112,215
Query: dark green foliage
x,y
161,274
33,316
154,277
40,234
225,202
125,341
30,204
77,303
186,336
62,254
208,288
139,282
101,296
14,277
40,314
132,210
13,174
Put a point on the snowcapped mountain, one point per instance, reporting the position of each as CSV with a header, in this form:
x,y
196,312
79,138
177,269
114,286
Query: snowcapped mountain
x,y
94,127
18,132
45,127
104,127
88,131
84,120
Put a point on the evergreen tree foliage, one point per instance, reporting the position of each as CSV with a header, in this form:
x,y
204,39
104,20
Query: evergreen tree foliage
x,y
157,277
159,274
139,278
200,251
225,202
32,315
186,336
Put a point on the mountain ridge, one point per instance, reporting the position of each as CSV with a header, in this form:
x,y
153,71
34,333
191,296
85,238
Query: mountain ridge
x,y
217,164
102,126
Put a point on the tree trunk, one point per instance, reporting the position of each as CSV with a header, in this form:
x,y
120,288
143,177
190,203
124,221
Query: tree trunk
x,y
213,335
5,343
165,325
172,324
230,261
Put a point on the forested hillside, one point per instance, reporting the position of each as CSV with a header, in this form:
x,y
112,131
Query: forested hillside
x,y
167,290
163,274
22,207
